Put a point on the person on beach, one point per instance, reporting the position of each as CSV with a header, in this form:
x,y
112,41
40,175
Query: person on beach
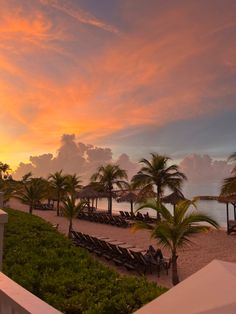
x,y
150,254
158,255
153,255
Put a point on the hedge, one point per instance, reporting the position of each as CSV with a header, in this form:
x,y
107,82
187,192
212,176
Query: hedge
x,y
46,263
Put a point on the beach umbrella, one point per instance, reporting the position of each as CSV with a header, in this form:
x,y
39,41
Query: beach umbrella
x,y
135,196
173,198
89,192
130,197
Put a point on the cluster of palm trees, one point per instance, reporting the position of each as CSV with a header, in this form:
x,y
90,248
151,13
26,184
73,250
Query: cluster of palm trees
x,y
154,174
172,230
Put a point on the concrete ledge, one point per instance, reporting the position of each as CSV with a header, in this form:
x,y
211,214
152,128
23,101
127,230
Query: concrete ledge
x,y
16,299
3,217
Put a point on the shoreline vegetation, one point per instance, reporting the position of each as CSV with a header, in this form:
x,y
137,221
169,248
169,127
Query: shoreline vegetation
x,y
65,276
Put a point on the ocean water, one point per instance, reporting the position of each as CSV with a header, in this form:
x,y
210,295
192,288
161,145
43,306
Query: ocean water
x,y
213,208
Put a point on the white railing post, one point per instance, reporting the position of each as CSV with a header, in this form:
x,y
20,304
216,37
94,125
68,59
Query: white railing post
x,y
3,220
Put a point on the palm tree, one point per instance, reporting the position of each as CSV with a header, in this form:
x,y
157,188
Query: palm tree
x,y
4,168
109,176
32,193
155,172
9,188
72,184
58,183
229,184
26,177
174,230
71,210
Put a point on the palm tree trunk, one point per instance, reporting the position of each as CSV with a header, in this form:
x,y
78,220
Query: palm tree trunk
x,y
132,207
158,201
58,203
175,277
31,209
70,228
110,203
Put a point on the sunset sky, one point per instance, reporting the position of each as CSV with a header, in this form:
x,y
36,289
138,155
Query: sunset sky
x,y
132,75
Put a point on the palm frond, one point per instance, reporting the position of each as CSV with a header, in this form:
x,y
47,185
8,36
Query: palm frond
x,y
229,186
141,225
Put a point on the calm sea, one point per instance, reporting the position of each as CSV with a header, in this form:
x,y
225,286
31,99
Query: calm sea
x,y
213,208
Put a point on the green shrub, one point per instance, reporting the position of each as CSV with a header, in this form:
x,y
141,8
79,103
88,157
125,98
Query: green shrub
x,y
46,263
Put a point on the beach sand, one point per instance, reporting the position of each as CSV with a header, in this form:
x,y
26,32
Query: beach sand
x,y
215,244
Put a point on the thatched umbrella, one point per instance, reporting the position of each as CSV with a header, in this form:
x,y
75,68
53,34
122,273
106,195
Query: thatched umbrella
x,y
173,198
130,197
135,196
229,199
88,192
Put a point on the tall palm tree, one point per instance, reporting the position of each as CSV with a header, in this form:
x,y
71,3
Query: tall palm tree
x,y
32,193
72,184
156,172
108,177
174,230
229,184
58,183
71,210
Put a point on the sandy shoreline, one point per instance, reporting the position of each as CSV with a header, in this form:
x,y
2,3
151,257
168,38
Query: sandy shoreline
x,y
215,244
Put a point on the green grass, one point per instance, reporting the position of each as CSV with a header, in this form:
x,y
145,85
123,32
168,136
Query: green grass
x,y
46,263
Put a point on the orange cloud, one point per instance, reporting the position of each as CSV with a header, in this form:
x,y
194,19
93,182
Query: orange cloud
x,y
60,77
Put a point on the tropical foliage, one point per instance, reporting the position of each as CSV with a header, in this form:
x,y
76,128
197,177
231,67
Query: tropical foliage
x,y
175,230
229,184
58,183
156,172
46,263
32,193
72,184
4,170
108,177
71,210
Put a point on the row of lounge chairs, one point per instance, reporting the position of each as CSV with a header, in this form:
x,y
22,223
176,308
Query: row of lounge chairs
x,y
120,253
138,216
104,218
43,206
